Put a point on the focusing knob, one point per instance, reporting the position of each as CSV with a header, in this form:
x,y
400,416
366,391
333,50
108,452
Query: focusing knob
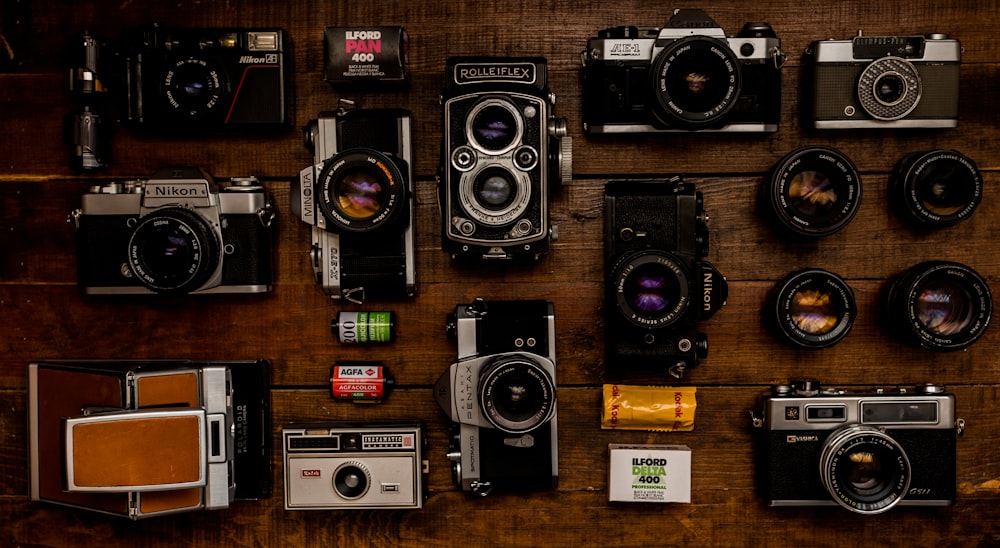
x,y
566,160
806,387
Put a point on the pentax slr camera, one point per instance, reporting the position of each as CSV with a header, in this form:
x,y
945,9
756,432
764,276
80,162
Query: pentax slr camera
x,y
358,199
176,232
657,286
685,76
864,451
198,79
503,152
338,465
501,397
883,81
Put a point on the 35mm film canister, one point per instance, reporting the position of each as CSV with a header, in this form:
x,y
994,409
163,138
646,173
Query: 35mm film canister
x,y
360,382
364,327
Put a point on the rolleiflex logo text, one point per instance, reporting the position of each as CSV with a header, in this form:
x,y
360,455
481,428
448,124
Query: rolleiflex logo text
x,y
468,73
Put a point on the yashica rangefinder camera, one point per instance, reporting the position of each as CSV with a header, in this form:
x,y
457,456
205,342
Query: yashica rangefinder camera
x,y
501,397
358,198
205,79
884,81
339,465
176,232
502,154
685,76
147,438
657,286
865,451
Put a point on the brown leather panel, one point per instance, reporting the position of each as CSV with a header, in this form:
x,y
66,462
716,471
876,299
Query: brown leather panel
x,y
158,501
180,390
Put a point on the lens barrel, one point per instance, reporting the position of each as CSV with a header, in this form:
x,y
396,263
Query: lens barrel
x,y
811,309
516,394
174,250
864,469
813,191
937,188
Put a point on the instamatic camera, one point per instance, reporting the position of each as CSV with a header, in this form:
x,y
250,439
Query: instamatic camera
x,y
501,397
884,81
502,153
358,198
176,232
685,76
657,284
866,452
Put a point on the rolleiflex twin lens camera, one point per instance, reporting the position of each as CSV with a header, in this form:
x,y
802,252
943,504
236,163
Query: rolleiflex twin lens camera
x,y
147,438
685,76
213,78
657,286
866,452
176,232
501,397
345,465
503,152
358,198
884,81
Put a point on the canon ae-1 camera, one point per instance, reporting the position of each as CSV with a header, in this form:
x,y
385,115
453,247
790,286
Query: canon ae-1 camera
x,y
176,232
657,285
883,81
358,199
685,76
340,465
501,397
864,451
503,151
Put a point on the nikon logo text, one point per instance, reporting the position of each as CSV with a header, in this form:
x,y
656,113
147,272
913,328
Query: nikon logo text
x,y
178,191
707,283
268,59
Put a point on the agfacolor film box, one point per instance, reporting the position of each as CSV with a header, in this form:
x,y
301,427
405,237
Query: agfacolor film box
x,y
649,473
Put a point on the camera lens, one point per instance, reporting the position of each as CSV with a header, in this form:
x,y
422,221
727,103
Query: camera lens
x,y
940,305
652,289
494,125
173,250
192,87
697,82
937,188
494,189
360,193
812,308
864,469
813,191
494,195
361,190
516,393
351,480
889,88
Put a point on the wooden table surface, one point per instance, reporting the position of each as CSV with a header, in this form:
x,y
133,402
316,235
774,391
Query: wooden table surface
x,y
44,315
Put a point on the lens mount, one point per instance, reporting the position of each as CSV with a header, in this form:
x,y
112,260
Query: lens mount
x,y
494,195
864,469
351,480
652,289
889,88
494,126
937,188
174,250
812,308
696,82
360,190
516,393
813,191
192,87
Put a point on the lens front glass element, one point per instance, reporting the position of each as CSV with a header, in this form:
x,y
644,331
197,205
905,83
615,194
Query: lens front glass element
x,y
361,193
495,126
812,308
864,469
698,80
351,480
937,188
517,394
192,87
944,307
813,191
173,250
652,289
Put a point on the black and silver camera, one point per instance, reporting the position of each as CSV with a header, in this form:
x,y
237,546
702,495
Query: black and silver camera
x,y
212,78
866,451
502,154
685,76
358,198
501,397
176,232
336,465
657,285
884,81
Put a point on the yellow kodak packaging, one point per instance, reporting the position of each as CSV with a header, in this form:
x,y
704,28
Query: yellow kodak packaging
x,y
655,408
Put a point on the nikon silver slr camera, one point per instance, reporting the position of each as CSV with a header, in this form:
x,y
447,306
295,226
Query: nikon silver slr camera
x,y
176,232
864,451
501,397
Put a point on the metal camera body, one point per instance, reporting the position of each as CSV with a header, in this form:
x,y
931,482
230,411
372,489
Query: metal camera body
x,y
865,451
503,152
629,85
506,357
884,82
358,199
176,232
339,465
656,231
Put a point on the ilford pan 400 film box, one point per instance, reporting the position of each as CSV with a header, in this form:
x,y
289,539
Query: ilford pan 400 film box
x,y
649,473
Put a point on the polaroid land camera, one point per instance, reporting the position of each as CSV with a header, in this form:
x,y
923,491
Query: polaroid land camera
x,y
142,439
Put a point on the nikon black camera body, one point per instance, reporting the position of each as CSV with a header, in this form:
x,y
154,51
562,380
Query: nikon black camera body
x,y
503,151
176,232
501,397
685,76
864,451
657,286
358,198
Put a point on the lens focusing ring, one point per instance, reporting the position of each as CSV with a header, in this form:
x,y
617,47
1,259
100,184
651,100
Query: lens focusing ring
x,y
174,250
812,309
516,394
938,188
864,469
813,191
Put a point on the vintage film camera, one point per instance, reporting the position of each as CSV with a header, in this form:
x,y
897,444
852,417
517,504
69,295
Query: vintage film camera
x,y
501,397
176,232
147,438
358,198
883,81
685,76
205,79
336,465
866,451
657,285
503,152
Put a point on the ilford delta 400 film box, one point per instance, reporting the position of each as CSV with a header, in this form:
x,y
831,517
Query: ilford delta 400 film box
x,y
649,473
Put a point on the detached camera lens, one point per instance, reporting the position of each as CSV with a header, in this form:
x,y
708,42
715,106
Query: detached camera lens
x,y
812,308
937,188
813,191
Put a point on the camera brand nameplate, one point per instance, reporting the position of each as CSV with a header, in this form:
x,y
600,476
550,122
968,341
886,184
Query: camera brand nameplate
x,y
474,73
172,192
